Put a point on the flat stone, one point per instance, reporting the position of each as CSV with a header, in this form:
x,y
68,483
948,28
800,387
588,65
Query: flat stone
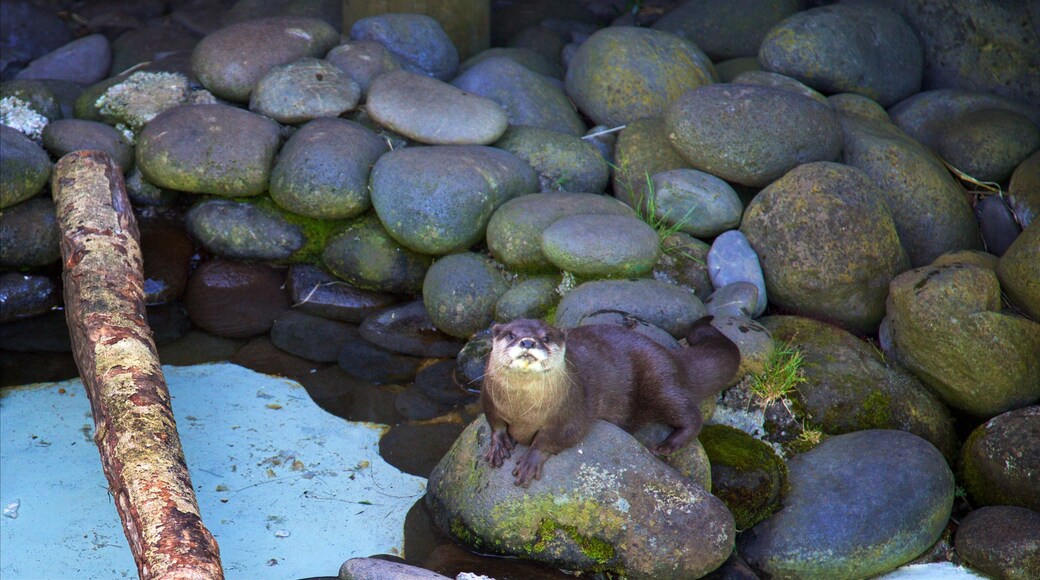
x,y
417,40
659,303
243,231
315,291
434,112
698,203
67,135
408,329
84,60
302,90
601,246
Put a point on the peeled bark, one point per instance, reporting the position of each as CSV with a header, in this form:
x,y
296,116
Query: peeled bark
x,y
135,430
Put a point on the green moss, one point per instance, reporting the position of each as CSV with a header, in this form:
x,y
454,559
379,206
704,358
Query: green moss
x,y
315,231
747,475
875,412
600,552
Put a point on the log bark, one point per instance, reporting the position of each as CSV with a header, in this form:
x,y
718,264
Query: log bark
x,y
135,430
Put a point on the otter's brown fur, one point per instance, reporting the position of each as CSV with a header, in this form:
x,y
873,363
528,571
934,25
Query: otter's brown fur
x,y
544,387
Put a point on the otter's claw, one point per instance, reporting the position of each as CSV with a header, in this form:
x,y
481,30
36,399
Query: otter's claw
x,y
501,448
529,467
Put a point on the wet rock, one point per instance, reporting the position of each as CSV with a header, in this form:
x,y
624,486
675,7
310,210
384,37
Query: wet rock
x,y
412,404
746,474
525,57
68,135
315,291
472,361
926,115
945,325
1024,190
47,332
999,460
527,97
848,48
563,162
850,387
929,208
867,516
84,60
230,61
751,134
34,93
777,81
363,61
143,193
996,224
530,298
622,73
243,231
727,29
168,322
514,233
1019,272
659,303
314,178
733,299
417,40
365,255
684,262
601,246
416,448
25,167
1001,541
262,356
29,234
378,569
310,337
302,90
437,381
698,203
989,47
859,106
214,149
597,489
350,397
145,44
989,144
235,299
732,259
434,112
28,31
408,329
26,295
827,244
369,362
642,150
198,347
167,253
460,292
468,184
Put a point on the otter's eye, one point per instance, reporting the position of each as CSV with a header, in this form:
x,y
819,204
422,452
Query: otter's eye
x,y
510,336
546,338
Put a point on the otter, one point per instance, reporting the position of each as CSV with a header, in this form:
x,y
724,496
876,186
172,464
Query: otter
x,y
544,386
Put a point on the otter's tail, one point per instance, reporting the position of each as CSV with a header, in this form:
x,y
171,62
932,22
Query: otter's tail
x,y
711,359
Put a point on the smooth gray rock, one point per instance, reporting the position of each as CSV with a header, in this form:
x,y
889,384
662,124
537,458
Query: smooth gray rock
x,y
243,231
67,135
416,39
926,115
365,255
751,134
859,106
727,29
363,61
699,203
777,81
29,234
733,299
24,167
530,298
302,90
322,171
853,519
364,360
316,291
311,337
732,259
438,200
601,246
26,295
989,144
377,569
460,292
84,60
434,112
407,328
664,305
563,162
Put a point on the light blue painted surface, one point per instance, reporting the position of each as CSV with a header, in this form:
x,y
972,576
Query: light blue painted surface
x,y
241,432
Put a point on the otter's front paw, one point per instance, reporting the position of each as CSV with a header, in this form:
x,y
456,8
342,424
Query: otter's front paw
x,y
529,467
501,448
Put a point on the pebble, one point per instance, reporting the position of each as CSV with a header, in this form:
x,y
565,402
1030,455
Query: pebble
x,y
434,112
315,291
417,40
302,90
731,260
407,328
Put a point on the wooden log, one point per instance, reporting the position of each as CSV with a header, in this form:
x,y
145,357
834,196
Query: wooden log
x,y
135,431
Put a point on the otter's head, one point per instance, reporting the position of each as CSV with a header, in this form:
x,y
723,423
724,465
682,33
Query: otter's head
x,y
527,346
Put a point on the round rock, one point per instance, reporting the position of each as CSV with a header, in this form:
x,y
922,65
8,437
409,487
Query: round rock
x,y
1024,190
24,167
68,135
623,73
848,48
408,329
214,149
727,29
363,61
751,134
303,90
84,60
563,162
322,171
601,246
531,298
243,231
854,519
642,150
827,244
514,234
746,473
167,253
999,460
664,305
29,234
26,295
235,299
365,255
695,202
989,144
434,112
731,259
460,292
1019,271
230,61
417,40
926,115
1001,541
438,200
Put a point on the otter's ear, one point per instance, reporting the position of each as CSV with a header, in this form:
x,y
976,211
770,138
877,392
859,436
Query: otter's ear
x,y
495,330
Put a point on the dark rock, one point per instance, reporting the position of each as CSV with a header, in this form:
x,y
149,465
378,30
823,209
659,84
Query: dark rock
x,y
645,328
25,167
36,93
684,262
868,516
1001,541
29,234
733,299
642,150
563,162
437,382
541,39
143,193
460,292
751,134
67,135
47,332
859,106
28,31
230,61
167,253
695,202
926,115
1019,272
198,347
146,44
235,299
343,395
530,298
452,560
214,149
243,230
369,362
363,61
416,39
777,81
302,90
416,406
168,322
416,448
408,329
525,57
997,224
729,69
1024,190
26,295
84,60
622,73
999,460
989,144
315,291
659,303
472,361
310,337
365,255
746,474
727,29
261,355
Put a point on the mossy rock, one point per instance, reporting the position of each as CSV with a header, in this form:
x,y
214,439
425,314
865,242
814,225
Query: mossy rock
x,y
460,292
563,162
642,150
747,475
365,255
601,246
530,298
1019,271
243,231
1000,460
25,168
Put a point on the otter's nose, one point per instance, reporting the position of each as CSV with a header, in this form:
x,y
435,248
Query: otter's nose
x,y
527,343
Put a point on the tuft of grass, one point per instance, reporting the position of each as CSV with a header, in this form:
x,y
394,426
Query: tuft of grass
x,y
781,377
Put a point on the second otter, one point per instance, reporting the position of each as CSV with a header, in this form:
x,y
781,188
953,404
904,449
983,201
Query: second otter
x,y
544,387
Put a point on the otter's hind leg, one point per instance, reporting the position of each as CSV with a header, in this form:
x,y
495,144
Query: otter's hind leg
x,y
685,421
